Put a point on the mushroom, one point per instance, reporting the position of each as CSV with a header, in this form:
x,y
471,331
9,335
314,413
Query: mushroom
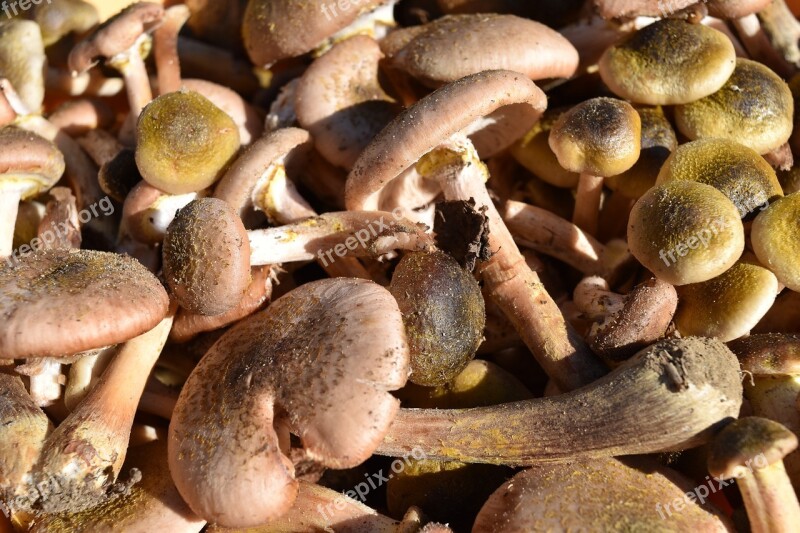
x,y
148,212
753,107
29,165
282,370
427,135
22,60
783,316
751,450
685,232
684,389
217,22
246,117
668,62
165,38
597,138
58,18
534,153
774,235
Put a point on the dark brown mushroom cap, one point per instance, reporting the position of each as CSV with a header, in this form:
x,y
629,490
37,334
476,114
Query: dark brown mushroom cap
x,y
57,302
769,354
737,449
207,257
668,62
455,46
319,362
512,100
116,35
734,169
754,107
340,101
600,136
278,29
29,163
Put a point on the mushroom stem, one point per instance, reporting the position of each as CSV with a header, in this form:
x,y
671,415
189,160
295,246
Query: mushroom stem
x,y
83,375
594,299
137,82
166,48
9,205
783,30
587,203
670,396
758,45
769,499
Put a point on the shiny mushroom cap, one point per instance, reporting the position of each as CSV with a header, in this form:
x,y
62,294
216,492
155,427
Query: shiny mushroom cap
x,y
668,62
776,239
29,164
769,354
318,362
60,302
753,107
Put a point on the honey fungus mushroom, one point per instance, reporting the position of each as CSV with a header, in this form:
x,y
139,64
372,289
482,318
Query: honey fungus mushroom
x,y
775,239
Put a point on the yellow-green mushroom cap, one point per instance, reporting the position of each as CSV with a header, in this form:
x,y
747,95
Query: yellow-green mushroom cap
x,y
600,137
184,142
734,169
728,306
685,232
668,62
754,107
534,153
29,164
776,239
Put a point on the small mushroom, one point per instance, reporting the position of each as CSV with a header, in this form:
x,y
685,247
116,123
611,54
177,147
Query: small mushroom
x,y
148,212
774,235
22,60
752,450
534,153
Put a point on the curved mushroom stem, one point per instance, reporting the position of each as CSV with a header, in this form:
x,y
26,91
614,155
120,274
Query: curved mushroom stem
x,y
587,203
511,283
92,83
166,48
9,205
671,396
137,82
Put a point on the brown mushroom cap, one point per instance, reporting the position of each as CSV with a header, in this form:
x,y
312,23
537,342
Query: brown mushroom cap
x,y
733,451
207,257
735,9
184,142
29,164
776,239
753,107
514,101
668,62
612,9
734,169
455,46
600,137
685,232
317,362
769,354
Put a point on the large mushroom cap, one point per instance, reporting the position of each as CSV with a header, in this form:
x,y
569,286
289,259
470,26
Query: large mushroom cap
x,y
28,163
735,450
776,239
22,60
59,302
753,107
769,354
455,46
668,62
319,362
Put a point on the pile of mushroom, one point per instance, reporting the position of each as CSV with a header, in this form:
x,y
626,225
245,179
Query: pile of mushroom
x,y
399,265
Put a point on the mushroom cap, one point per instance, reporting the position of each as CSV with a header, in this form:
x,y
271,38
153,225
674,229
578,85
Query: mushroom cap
x,y
534,153
340,101
184,142
614,9
455,46
600,136
695,223
29,164
246,117
60,302
59,18
729,305
668,62
116,35
207,257
775,235
769,354
118,176
735,450
279,29
735,9
734,169
513,102
319,362
753,107
598,495
22,60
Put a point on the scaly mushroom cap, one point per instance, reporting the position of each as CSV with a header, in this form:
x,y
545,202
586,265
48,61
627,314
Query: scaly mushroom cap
x,y
734,169
59,302
596,495
534,153
600,137
734,450
184,142
776,239
207,257
116,35
455,46
729,305
668,62
22,60
754,107
319,362
685,232
510,99
278,29
28,163
769,354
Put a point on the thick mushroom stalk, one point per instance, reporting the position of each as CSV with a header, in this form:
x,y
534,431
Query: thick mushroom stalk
x,y
670,396
319,362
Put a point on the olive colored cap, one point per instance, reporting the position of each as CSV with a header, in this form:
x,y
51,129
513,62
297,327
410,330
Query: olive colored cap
x,y
776,239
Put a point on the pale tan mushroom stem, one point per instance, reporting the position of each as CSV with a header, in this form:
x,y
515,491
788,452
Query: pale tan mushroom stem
x,y
587,202
166,48
9,205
